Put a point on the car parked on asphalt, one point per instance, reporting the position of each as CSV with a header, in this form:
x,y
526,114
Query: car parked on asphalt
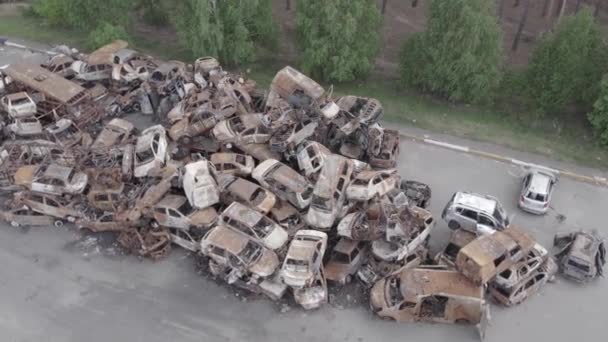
x,y
55,206
475,213
582,255
537,191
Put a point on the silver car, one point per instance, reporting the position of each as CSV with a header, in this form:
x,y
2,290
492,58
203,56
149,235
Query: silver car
x,y
475,213
536,192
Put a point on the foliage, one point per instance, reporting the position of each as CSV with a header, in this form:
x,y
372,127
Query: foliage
x,y
105,34
84,14
227,29
339,39
153,12
459,55
568,64
599,116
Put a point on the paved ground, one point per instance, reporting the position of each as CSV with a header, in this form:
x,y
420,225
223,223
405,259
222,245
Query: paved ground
x,y
56,285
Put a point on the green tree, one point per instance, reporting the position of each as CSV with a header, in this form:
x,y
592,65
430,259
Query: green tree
x,y
339,38
84,14
228,29
599,116
459,56
568,64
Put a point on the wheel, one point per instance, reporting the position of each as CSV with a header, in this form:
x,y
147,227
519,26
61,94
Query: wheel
x,y
58,223
462,321
453,225
185,140
15,224
348,279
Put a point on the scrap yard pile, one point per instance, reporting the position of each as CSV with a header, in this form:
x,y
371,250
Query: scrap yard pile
x,y
279,190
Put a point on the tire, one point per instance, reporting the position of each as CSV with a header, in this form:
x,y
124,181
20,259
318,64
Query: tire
x,y
348,279
185,140
453,225
15,224
58,223
462,321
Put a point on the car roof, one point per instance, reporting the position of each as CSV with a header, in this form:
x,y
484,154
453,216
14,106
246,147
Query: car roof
x,y
228,239
346,245
423,282
583,246
171,201
57,171
289,178
242,213
476,201
19,95
539,182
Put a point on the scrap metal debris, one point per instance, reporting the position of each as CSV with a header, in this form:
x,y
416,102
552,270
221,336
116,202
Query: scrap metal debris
x,y
275,191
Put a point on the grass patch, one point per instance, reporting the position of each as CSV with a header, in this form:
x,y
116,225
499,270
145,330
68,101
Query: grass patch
x,y
558,139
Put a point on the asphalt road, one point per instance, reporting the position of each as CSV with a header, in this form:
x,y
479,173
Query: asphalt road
x,y
56,285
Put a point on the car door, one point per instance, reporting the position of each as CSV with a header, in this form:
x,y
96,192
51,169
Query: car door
x,y
176,219
485,223
467,218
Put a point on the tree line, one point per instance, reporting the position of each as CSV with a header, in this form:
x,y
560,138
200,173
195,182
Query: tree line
x,y
458,57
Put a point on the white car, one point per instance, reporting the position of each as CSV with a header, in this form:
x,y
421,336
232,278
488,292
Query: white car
x,y
200,185
18,105
150,151
51,179
304,258
24,127
254,224
369,184
91,72
284,182
536,192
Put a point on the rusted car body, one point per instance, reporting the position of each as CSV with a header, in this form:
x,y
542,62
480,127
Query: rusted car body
x,y
287,216
18,105
233,163
115,132
404,236
260,152
356,111
239,252
329,197
304,258
60,65
344,261
386,158
582,255
284,182
488,255
236,189
150,151
57,207
107,196
311,157
418,193
22,216
314,295
458,239
365,225
91,72
174,211
369,184
518,272
430,295
51,179
144,203
65,133
106,222
199,184
296,88
254,224
27,127
242,129
526,287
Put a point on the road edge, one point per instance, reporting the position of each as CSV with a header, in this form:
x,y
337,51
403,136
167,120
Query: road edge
x,y
593,180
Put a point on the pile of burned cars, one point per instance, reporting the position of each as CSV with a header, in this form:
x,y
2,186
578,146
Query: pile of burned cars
x,y
281,191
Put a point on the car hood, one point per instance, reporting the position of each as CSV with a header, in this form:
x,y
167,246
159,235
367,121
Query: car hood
x,y
25,175
205,217
276,239
266,265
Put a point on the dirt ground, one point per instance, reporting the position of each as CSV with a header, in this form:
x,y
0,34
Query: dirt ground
x,y
401,20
